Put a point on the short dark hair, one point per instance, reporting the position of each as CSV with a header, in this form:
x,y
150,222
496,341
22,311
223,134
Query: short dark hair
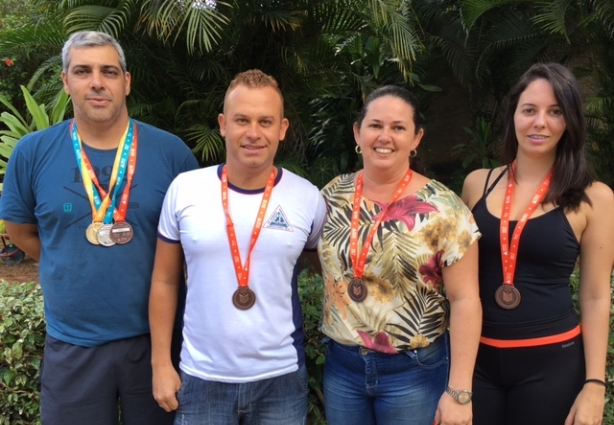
x,y
571,173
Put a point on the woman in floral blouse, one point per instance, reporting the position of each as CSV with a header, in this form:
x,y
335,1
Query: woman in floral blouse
x,y
399,263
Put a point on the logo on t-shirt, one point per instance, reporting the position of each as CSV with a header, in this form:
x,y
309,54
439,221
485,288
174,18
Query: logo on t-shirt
x,y
278,221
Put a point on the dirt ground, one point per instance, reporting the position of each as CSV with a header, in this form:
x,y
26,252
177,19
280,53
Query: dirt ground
x,y
26,271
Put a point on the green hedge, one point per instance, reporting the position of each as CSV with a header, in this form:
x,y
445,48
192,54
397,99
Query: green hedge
x,y
22,335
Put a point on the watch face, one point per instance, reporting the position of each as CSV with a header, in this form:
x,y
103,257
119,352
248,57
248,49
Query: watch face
x,y
464,397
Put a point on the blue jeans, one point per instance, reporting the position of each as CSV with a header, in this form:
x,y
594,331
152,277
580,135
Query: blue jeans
x,y
275,401
364,387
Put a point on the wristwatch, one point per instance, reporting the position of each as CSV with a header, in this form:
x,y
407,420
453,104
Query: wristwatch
x,y
461,396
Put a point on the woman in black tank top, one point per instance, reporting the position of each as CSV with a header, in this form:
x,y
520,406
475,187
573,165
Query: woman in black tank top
x,y
534,365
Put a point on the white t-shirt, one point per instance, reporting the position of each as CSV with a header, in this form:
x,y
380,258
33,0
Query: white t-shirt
x,y
221,342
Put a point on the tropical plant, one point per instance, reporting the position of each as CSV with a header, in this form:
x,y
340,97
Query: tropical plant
x,y
480,149
308,46
18,126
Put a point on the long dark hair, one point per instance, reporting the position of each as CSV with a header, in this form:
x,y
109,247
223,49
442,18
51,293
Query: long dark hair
x,y
571,173
406,96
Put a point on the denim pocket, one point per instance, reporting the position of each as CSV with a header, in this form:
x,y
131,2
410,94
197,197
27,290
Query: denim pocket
x,y
433,356
302,378
185,379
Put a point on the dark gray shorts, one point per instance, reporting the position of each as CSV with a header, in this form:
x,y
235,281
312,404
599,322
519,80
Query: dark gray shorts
x,y
86,385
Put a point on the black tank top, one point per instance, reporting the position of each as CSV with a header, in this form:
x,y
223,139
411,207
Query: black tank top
x,y
547,255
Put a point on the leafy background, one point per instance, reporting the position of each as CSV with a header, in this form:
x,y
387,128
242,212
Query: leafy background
x,y
460,57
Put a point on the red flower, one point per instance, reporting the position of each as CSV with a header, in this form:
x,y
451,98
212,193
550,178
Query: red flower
x,y
9,62
432,270
381,343
405,210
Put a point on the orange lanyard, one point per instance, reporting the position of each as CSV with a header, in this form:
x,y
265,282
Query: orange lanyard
x,y
358,262
241,271
509,251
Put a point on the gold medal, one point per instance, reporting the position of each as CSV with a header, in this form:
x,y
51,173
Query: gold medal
x,y
91,233
102,202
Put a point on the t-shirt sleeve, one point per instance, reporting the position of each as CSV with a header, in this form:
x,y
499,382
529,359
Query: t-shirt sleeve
x,y
189,162
318,223
462,233
168,227
17,203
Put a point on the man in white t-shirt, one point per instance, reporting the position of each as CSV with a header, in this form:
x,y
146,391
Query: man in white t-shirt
x,y
241,227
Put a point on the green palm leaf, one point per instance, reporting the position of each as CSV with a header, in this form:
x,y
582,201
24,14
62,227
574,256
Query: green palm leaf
x,y
207,141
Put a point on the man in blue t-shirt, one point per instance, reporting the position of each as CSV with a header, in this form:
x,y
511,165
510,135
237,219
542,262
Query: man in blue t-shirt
x,y
83,198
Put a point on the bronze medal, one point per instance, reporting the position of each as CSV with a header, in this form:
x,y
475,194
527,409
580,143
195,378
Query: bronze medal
x,y
508,297
104,235
91,233
121,232
243,298
357,290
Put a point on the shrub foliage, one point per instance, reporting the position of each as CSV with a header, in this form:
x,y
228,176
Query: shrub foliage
x,y
22,337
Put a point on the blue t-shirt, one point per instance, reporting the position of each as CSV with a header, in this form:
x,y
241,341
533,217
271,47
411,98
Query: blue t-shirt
x,y
92,294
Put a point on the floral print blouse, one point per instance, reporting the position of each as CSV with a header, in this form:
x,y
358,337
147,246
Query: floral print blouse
x,y
406,306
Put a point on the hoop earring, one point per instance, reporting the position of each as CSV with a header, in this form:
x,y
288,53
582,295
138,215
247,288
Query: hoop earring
x,y
413,153
358,149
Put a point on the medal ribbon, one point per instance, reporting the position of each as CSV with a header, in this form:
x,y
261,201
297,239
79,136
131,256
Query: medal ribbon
x,y
100,200
509,251
241,271
126,166
358,262
120,213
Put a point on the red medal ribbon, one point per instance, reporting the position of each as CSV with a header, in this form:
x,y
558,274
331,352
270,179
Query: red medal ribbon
x,y
120,213
241,271
509,251
359,262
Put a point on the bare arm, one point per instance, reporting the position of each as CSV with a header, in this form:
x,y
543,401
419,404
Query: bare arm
x,y
25,236
596,256
166,277
461,283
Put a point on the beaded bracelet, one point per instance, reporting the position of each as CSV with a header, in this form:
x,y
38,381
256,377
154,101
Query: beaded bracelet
x,y
596,381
